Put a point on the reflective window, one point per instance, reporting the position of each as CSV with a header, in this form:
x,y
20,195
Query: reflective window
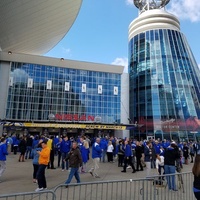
x,y
47,95
164,83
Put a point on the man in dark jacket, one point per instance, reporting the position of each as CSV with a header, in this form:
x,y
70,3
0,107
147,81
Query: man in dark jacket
x,y
170,155
75,161
147,157
138,154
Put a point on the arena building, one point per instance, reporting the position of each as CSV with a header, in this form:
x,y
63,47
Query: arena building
x,y
164,76
40,94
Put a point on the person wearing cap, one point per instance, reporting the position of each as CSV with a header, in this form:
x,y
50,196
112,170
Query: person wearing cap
x,y
44,157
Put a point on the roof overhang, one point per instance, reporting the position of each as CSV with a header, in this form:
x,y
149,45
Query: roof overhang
x,y
60,62
35,26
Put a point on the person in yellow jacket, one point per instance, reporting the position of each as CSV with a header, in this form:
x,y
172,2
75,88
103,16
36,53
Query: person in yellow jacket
x,y
44,157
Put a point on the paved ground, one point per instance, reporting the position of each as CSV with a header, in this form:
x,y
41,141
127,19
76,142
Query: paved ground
x,y
18,175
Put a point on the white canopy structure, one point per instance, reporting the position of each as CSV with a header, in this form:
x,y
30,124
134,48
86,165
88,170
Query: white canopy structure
x,y
35,26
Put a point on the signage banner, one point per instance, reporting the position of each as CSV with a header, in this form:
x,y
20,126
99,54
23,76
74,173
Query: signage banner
x,y
99,89
83,87
49,84
83,126
30,83
11,81
67,86
115,90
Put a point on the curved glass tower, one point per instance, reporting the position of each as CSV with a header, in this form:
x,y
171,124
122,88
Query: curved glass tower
x,y
164,76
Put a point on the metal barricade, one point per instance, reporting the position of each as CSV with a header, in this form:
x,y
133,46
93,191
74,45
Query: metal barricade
x,y
102,190
43,195
183,189
107,190
151,188
140,189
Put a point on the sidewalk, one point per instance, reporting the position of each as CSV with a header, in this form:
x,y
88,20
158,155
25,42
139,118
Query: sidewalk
x,y
18,175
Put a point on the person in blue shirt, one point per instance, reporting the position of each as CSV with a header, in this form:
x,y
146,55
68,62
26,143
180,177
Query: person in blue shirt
x,y
15,144
128,157
9,143
103,145
84,149
65,147
96,155
165,144
157,146
35,142
3,153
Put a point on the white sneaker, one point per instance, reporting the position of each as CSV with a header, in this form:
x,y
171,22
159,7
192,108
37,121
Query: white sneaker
x,y
39,189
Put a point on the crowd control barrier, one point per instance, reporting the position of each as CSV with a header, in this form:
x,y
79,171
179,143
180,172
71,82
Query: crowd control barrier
x,y
43,195
150,188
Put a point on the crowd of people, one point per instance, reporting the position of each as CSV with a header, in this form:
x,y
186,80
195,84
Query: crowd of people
x,y
73,154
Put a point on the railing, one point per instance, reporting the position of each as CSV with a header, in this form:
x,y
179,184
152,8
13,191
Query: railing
x,y
43,195
151,188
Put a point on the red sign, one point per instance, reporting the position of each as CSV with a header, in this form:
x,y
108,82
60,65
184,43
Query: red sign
x,y
190,124
74,117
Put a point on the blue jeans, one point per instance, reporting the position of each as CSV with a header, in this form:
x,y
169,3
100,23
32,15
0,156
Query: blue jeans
x,y
73,172
170,169
28,152
64,155
103,156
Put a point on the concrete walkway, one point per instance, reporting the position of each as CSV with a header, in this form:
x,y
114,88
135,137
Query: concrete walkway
x,y
18,175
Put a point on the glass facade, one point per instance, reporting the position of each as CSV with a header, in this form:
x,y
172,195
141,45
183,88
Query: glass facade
x,y
38,92
164,85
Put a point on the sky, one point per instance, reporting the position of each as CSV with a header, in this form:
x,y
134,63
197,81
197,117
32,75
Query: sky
x,y
100,31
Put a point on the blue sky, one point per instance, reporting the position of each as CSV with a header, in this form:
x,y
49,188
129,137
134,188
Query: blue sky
x,y
100,32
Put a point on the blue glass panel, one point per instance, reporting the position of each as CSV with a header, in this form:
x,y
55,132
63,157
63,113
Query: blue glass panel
x,y
37,102
170,79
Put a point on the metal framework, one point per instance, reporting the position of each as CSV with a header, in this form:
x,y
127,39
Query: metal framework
x,y
144,5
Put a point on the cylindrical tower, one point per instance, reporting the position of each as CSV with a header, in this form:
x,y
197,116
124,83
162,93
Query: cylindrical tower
x,y
164,76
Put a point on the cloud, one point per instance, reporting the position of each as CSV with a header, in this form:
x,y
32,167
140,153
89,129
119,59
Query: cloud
x,y
129,2
199,66
123,62
19,75
66,51
185,9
